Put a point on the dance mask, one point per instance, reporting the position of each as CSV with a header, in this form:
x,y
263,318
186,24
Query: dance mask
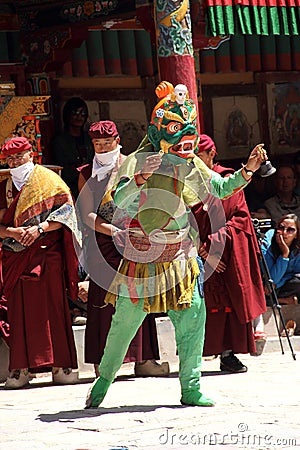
x,y
173,126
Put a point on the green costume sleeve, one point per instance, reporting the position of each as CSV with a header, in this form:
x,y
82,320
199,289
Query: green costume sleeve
x,y
227,186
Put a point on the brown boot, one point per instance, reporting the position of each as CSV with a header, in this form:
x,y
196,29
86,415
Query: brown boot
x,y
151,368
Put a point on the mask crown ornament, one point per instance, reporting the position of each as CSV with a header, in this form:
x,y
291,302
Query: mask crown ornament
x,y
180,93
173,125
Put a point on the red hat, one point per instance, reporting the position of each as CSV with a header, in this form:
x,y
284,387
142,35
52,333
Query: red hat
x,y
15,145
103,129
205,143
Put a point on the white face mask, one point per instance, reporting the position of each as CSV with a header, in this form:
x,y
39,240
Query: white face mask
x,y
107,158
103,163
21,174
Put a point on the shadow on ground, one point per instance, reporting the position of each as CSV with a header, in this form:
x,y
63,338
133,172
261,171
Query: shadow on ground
x,y
70,416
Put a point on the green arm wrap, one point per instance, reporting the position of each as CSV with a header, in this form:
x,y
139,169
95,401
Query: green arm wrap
x,y
227,186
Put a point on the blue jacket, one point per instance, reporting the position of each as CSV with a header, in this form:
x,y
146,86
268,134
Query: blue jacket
x,y
281,269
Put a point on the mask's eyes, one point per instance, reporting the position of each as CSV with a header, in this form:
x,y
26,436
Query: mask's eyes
x,y
174,127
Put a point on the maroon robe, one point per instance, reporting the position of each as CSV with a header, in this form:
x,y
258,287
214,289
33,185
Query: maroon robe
x,y
34,283
4,326
99,315
234,297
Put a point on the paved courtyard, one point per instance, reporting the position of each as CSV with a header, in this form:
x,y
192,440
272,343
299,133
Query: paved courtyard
x,y
256,410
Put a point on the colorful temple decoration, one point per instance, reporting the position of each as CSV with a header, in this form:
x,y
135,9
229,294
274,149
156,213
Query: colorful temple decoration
x,y
29,127
21,117
38,14
42,51
261,17
80,11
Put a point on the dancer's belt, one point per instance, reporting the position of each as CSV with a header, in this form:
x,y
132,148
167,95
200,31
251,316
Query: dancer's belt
x,y
162,236
160,246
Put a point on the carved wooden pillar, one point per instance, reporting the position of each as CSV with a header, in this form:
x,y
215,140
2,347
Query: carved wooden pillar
x,y
174,44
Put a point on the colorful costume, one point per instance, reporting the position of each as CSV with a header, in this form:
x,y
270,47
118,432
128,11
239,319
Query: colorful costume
x,y
159,272
35,278
234,297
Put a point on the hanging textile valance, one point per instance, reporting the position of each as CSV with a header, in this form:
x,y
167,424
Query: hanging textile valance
x,y
262,17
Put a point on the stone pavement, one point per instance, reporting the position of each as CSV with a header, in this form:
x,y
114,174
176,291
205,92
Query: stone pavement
x,y
256,410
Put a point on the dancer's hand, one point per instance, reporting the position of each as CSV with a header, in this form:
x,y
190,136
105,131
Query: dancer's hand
x,y
119,239
151,164
256,158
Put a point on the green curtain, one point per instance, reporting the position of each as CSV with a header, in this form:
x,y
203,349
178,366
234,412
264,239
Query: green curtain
x,y
224,17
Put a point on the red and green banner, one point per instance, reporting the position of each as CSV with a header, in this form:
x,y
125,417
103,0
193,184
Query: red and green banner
x,y
263,17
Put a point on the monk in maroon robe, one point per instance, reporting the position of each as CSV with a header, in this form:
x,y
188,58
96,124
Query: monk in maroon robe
x,y
233,288
39,266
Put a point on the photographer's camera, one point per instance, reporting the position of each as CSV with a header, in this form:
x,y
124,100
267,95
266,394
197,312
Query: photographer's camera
x,y
265,224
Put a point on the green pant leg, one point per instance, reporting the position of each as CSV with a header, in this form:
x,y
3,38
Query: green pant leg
x,y
125,322
189,327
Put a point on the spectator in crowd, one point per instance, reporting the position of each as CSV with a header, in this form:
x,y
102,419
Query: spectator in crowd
x,y
72,148
233,288
37,219
102,257
156,189
281,248
285,201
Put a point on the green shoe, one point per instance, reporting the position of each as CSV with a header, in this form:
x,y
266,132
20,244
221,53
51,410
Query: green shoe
x,y
195,398
97,393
